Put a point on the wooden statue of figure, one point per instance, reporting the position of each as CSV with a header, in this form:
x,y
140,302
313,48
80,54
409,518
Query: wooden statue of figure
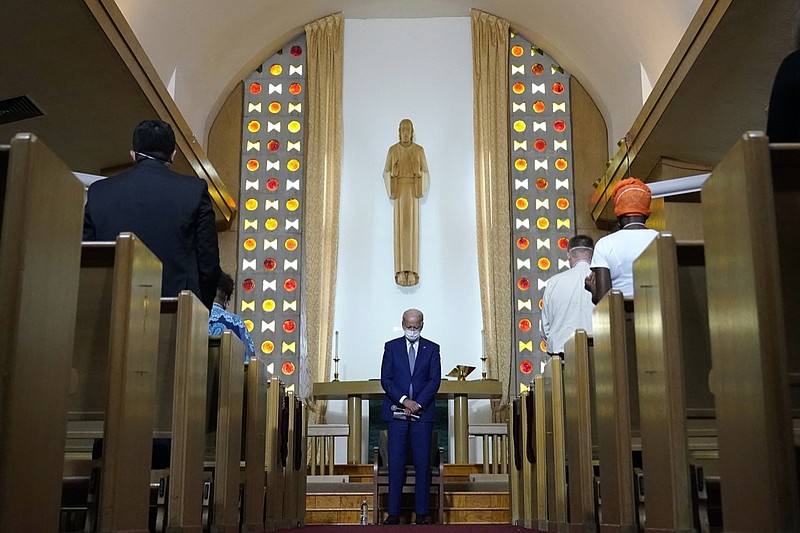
x,y
406,177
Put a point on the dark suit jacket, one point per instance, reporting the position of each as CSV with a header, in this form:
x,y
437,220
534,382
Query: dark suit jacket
x,y
172,215
396,376
783,117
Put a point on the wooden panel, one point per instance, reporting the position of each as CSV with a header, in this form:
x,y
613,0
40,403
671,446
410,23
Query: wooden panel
x,y
748,343
613,414
578,425
229,434
255,439
661,387
274,471
540,438
188,415
130,382
556,463
41,212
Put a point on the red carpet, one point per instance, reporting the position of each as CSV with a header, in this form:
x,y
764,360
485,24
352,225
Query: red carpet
x,y
412,528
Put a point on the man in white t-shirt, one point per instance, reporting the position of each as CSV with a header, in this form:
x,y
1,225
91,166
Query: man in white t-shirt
x,y
614,254
567,305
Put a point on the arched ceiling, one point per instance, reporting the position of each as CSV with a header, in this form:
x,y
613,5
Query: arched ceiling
x,y
208,46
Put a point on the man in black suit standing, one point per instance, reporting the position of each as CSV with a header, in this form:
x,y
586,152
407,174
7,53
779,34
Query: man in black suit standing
x,y
171,213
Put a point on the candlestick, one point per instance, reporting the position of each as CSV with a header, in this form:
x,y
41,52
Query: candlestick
x,y
483,354
336,358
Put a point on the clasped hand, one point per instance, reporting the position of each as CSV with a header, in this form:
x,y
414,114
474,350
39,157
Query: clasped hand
x,y
411,407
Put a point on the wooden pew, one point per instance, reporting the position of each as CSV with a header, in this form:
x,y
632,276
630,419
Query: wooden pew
x,y
612,394
751,210
226,371
528,446
664,374
116,346
41,212
541,472
516,451
553,382
294,489
578,425
275,453
255,443
180,404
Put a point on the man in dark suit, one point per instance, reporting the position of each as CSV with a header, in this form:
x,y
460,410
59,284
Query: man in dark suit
x,y
410,375
171,213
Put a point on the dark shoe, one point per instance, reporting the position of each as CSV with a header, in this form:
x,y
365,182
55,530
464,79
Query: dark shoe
x,y
391,520
422,521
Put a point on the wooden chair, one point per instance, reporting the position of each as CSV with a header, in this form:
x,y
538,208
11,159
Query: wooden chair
x,y
380,475
494,440
41,213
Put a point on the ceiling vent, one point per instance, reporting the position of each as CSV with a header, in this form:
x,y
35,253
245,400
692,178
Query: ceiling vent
x,y
18,108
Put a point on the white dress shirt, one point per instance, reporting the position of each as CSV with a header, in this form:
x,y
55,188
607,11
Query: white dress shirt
x,y
566,306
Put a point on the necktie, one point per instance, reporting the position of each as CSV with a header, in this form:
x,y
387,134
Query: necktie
x,y
412,356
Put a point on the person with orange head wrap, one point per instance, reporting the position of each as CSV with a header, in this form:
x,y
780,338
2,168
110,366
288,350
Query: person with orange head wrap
x,y
614,254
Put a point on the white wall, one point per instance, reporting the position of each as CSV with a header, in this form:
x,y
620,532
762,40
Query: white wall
x,y
420,69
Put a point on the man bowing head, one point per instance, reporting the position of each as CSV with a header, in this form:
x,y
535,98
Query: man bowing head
x,y
411,371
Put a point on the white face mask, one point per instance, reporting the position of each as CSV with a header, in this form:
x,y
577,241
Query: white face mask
x,y
411,334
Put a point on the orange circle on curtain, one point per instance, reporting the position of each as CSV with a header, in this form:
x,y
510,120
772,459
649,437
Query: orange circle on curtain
x,y
275,69
248,324
522,203
274,107
252,165
251,204
255,88
267,346
249,244
543,346
287,368
295,88
268,305
271,224
562,203
526,367
524,284
542,223
523,243
292,165
273,145
525,324
518,88
543,263
541,303
563,242
539,106
290,244
558,87
272,184
561,164
517,50
253,126
537,69
289,325
292,204
520,164
541,183
289,285
519,126
270,263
